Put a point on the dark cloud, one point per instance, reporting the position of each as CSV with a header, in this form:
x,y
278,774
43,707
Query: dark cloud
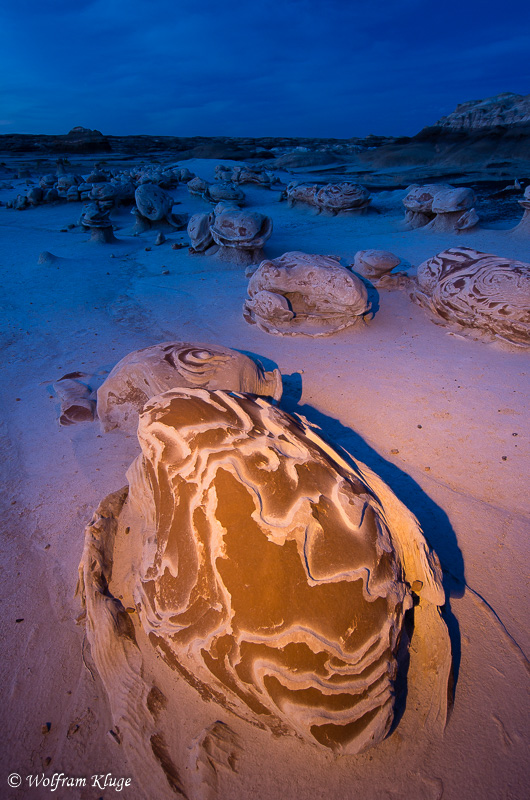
x,y
298,67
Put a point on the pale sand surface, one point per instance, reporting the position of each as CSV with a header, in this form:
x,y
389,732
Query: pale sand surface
x,y
431,412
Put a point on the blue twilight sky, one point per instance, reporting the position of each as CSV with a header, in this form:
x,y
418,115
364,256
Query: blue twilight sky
x,y
245,68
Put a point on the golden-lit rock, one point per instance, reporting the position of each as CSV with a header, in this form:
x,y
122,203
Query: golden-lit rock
x,y
267,570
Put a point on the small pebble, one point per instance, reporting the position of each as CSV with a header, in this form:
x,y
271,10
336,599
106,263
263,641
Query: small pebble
x,y
147,249
177,246
71,225
420,426
394,451
46,761
165,272
114,736
160,239
20,619
46,727
505,458
64,230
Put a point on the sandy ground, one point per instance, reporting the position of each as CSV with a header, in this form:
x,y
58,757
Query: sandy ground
x,y
440,417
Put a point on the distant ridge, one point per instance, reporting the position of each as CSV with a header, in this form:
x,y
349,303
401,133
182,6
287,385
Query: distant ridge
x,y
501,110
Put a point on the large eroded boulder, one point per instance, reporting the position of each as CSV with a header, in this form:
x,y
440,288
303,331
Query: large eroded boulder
x,y
266,571
480,292
302,293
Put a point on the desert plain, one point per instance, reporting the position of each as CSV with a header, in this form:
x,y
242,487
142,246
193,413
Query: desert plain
x,y
440,416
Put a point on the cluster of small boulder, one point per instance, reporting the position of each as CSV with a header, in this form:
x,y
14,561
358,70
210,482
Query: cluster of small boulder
x,y
301,293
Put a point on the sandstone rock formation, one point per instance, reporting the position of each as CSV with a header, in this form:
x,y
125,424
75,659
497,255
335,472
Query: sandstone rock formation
x,y
240,235
479,291
502,109
76,397
104,192
152,370
154,205
261,177
418,203
66,182
298,192
197,186
199,232
440,207
454,210
299,293
267,571
184,175
96,218
344,196
373,264
332,197
225,191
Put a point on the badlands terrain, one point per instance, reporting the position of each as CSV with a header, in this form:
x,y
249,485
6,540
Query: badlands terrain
x,y
438,414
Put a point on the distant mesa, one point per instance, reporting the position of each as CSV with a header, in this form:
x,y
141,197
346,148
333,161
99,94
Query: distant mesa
x,y
85,133
502,109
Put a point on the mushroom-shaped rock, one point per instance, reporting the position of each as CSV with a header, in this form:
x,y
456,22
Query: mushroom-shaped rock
x,y
145,373
241,235
225,191
345,196
418,203
453,209
269,572
97,220
197,186
373,264
199,232
524,225
299,293
104,192
485,293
